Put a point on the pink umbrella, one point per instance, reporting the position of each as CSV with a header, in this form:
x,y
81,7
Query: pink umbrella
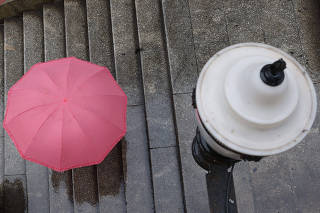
x,y
66,113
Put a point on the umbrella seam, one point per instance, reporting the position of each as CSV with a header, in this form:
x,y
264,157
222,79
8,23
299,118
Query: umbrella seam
x,y
61,144
103,68
43,63
78,123
37,132
74,117
114,81
32,108
44,93
54,83
116,126
84,96
67,80
83,132
84,81
27,74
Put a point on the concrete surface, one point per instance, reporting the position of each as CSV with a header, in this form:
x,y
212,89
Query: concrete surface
x,y
10,8
156,49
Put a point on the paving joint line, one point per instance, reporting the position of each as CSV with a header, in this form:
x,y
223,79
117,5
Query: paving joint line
x,y
162,147
152,50
14,175
182,93
135,105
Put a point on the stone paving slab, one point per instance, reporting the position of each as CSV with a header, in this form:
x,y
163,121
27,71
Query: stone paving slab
x,y
209,29
158,101
100,33
54,31
160,121
194,181
60,191
126,49
304,157
110,182
243,21
33,38
10,8
272,176
149,22
180,47
243,188
168,194
280,27
15,194
158,104
136,160
156,79
13,70
304,171
76,29
184,73
308,20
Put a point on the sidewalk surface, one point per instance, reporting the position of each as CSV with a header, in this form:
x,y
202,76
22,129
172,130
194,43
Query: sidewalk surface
x,y
156,49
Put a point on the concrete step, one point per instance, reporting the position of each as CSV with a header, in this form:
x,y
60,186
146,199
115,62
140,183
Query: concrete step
x,y
37,175
109,172
14,166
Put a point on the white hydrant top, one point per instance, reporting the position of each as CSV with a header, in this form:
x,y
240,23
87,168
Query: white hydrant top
x,y
246,114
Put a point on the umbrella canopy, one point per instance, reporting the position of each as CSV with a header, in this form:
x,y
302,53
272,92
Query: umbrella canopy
x,y
66,113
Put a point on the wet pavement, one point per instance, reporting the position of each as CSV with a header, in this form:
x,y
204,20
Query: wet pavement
x,y
156,49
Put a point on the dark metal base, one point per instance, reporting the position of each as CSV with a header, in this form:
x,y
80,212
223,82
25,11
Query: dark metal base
x,y
219,178
221,193
221,190
207,157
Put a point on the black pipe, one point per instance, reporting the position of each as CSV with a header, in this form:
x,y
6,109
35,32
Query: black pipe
x,y
221,190
219,178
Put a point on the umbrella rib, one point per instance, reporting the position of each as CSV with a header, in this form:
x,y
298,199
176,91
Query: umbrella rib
x,y
27,110
68,75
61,137
100,117
46,74
42,124
35,90
74,117
84,81
83,96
